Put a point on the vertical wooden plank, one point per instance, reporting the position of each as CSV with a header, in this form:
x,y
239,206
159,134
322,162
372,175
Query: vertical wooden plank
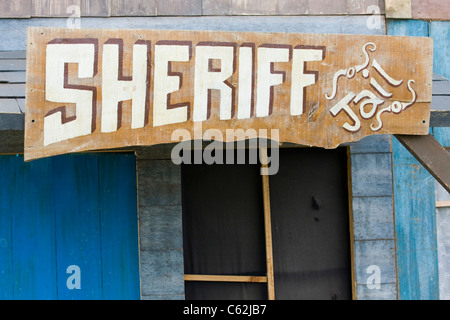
x,y
8,174
440,32
50,8
442,135
417,28
119,225
15,9
267,224
253,7
351,222
75,193
121,8
415,225
179,8
33,237
431,155
95,8
430,9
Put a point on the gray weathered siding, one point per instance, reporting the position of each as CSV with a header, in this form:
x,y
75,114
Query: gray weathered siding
x,y
160,227
373,217
443,242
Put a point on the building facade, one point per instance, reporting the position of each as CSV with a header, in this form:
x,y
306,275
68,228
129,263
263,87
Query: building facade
x,y
363,221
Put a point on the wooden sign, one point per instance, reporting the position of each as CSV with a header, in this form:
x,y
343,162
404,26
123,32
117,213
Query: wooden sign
x,y
91,89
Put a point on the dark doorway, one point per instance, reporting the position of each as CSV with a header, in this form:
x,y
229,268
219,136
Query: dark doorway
x,y
310,225
223,227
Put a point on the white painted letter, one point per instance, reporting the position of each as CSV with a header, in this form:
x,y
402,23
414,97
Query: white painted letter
x,y
56,126
245,82
206,79
166,84
343,105
115,90
300,79
266,79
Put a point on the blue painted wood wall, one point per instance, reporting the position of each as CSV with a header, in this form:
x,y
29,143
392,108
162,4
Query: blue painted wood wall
x,y
69,210
414,194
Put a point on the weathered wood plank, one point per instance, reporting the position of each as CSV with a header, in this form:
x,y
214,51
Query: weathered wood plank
x,y
373,218
224,278
430,9
398,9
216,8
440,103
253,7
33,231
437,77
440,32
16,36
387,291
133,8
430,153
119,226
372,144
442,204
96,8
160,227
9,106
179,7
162,274
21,103
12,65
440,119
16,90
417,28
298,118
441,88
12,121
327,7
15,9
13,77
288,7
84,236
50,8
3,78
414,199
380,253
159,183
21,54
11,141
442,134
267,225
7,167
415,227
371,174
365,6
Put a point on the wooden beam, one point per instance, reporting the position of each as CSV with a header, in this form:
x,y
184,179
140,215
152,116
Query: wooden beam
x,y
431,154
224,278
442,204
267,223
